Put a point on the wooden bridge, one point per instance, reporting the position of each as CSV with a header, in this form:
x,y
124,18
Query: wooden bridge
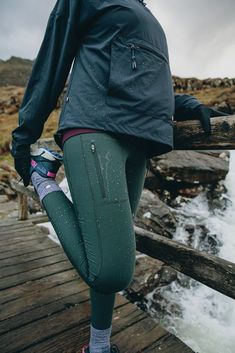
x,y
45,304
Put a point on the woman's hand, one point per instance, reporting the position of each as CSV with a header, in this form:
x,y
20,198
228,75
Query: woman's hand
x,y
22,166
204,113
22,160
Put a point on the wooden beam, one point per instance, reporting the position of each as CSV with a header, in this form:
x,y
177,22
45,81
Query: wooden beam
x,y
210,270
29,190
189,135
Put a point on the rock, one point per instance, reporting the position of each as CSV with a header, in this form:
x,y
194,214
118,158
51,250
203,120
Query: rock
x,y
192,167
154,215
194,84
6,174
149,274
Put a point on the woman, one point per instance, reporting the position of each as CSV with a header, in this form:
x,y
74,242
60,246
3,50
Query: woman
x,y
117,113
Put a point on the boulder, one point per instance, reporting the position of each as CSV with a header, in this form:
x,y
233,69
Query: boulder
x,y
149,274
154,215
191,167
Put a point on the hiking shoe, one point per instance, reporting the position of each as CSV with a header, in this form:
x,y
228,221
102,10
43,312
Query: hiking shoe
x,y
113,348
45,162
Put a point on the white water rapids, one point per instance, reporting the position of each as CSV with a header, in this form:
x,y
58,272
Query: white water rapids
x,y
207,323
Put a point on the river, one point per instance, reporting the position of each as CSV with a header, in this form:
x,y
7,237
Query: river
x,y
206,321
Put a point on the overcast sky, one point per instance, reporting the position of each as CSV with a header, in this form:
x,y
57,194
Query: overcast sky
x,y
200,33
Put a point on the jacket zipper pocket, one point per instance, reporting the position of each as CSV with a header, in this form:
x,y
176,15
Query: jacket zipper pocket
x,y
98,170
133,46
66,96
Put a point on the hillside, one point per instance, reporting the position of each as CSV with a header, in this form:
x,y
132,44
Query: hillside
x,y
15,71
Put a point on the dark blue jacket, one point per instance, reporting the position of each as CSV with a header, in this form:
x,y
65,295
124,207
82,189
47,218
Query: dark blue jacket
x,y
120,81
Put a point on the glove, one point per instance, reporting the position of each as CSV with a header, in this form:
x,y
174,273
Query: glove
x,y
22,162
22,166
202,113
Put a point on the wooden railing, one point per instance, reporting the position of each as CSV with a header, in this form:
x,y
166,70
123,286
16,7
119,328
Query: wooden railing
x,y
208,269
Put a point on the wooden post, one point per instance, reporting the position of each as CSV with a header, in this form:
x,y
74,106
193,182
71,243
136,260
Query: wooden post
x,y
22,206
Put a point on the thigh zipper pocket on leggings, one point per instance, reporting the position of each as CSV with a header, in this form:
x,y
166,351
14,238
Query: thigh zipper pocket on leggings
x,y
98,169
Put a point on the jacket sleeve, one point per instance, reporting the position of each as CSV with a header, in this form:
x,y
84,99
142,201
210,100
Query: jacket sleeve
x,y
49,73
184,104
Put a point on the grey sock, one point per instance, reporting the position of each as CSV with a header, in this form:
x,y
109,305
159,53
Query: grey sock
x,y
99,340
44,186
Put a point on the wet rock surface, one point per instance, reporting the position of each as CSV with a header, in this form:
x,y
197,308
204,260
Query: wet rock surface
x,y
154,215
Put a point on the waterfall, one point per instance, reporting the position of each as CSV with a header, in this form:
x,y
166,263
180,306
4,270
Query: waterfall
x,y
204,319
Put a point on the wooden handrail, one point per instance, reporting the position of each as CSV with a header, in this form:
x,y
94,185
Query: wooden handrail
x,y
189,135
211,270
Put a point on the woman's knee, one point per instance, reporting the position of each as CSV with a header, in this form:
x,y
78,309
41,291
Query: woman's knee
x,y
112,281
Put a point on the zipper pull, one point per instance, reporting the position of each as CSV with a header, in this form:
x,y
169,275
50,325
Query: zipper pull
x,y
134,65
92,147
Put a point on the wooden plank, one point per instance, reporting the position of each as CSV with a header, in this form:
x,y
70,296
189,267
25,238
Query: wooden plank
x,y
168,344
27,249
53,306
35,219
12,224
210,270
20,259
11,281
32,265
11,229
37,285
42,312
33,300
20,188
44,328
139,336
19,234
68,340
28,335
22,237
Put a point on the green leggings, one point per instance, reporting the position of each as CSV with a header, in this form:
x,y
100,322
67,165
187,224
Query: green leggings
x,y
105,174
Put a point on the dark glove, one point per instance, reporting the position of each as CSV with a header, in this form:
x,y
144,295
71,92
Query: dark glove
x,y
203,113
22,160
22,166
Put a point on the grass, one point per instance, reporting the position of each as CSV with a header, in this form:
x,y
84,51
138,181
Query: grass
x,y
9,122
